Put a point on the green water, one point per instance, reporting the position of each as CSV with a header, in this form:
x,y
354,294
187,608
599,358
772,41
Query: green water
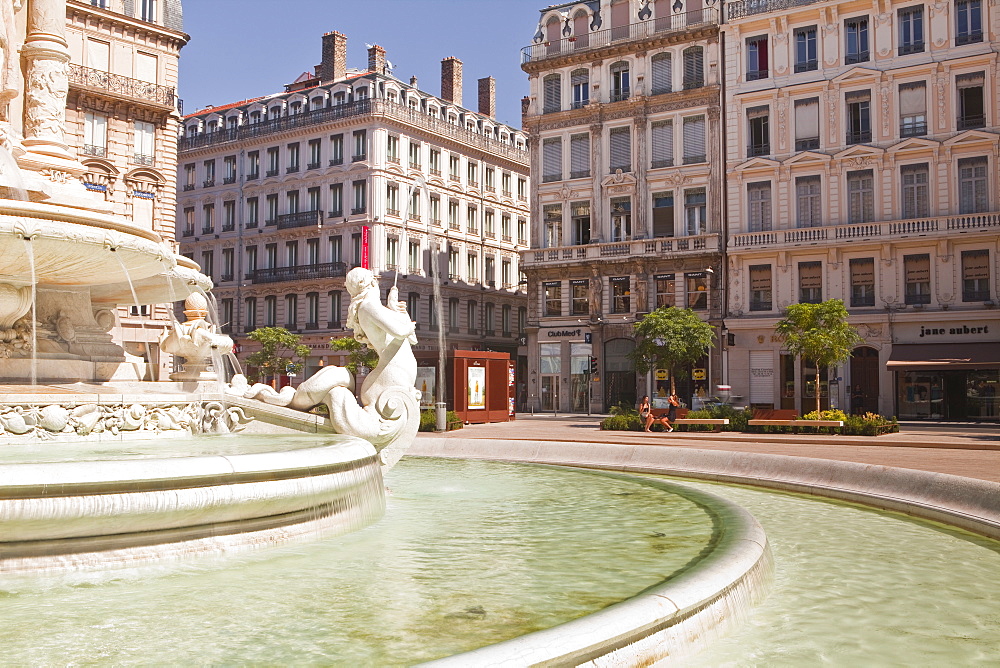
x,y
858,587
468,553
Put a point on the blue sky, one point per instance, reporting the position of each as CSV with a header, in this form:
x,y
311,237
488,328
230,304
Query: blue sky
x,y
253,47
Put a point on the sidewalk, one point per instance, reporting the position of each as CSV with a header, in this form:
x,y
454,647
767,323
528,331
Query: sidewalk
x,y
966,450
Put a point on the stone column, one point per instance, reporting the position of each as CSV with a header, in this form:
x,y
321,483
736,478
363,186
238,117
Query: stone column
x,y
46,65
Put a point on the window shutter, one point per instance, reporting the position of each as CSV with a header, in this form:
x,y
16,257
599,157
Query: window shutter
x,y
552,159
662,73
807,118
663,143
553,98
694,139
694,67
912,99
621,149
579,77
579,156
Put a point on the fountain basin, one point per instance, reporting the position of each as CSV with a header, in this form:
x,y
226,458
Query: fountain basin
x,y
80,506
75,247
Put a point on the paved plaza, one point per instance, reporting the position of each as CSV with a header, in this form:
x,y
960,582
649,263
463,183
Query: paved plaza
x,y
959,449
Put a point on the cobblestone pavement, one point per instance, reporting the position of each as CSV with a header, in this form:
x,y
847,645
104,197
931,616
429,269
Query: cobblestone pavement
x,y
959,449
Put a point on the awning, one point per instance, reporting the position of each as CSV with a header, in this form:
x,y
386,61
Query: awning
x,y
937,356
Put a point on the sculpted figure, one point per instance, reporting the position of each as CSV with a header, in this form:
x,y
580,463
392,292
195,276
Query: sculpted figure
x,y
195,341
390,408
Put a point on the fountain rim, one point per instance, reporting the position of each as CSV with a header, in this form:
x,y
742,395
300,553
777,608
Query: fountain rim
x,y
38,480
645,626
65,214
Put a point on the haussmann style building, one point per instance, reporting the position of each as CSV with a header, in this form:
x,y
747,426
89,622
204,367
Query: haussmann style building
x,y
861,156
281,195
122,118
627,202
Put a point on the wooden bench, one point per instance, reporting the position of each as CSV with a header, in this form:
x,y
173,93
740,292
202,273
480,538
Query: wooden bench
x,y
683,419
784,417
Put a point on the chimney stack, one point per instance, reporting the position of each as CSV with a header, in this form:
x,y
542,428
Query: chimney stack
x,y
376,59
334,65
488,97
451,80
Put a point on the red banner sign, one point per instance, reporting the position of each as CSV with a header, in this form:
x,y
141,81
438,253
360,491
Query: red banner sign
x,y
364,247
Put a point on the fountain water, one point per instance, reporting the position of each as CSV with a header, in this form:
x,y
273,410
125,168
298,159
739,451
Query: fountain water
x,y
30,252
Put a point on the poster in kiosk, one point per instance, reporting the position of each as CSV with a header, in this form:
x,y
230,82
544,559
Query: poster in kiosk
x,y
482,386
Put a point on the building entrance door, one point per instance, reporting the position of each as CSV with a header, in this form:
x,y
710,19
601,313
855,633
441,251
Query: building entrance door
x,y
864,381
550,393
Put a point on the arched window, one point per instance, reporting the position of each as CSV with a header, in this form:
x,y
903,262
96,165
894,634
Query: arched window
x,y
694,67
662,73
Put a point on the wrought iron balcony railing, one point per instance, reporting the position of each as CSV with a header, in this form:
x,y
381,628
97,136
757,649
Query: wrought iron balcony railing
x,y
370,107
657,27
300,219
117,84
302,272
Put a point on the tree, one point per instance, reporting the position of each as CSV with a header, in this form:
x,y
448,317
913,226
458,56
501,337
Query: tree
x,y
279,349
819,333
358,353
669,338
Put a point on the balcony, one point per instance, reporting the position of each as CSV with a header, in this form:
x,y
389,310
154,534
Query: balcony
x,y
414,165
335,213
580,174
334,324
619,95
434,171
229,180
754,150
226,278
208,183
392,159
855,58
390,211
651,248
188,187
912,47
358,210
744,8
291,169
228,227
808,144
889,230
302,272
188,232
913,129
922,298
807,66
95,151
650,29
975,295
312,165
756,75
971,122
858,137
253,176
336,161
758,305
287,221
272,172
117,86
968,38
145,160
359,157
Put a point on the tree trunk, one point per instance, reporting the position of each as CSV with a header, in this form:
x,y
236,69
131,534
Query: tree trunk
x,y
817,393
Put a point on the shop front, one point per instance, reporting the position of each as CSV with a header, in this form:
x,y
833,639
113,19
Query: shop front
x,y
952,373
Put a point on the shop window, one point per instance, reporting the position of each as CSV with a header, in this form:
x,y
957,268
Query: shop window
x,y
666,290
760,287
696,286
810,282
917,278
621,293
862,282
553,298
975,276
579,297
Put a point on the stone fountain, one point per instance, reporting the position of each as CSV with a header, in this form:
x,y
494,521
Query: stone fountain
x,y
66,265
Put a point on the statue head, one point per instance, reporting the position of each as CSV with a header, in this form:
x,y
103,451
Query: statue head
x,y
359,279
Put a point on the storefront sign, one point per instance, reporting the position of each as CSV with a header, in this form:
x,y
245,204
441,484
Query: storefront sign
x,y
365,245
425,383
559,333
947,332
698,374
662,374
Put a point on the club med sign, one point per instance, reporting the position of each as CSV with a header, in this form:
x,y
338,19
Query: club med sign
x,y
564,333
